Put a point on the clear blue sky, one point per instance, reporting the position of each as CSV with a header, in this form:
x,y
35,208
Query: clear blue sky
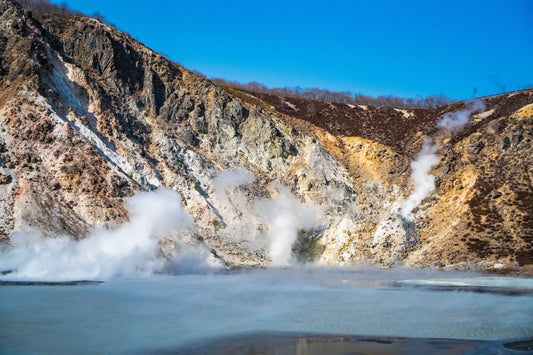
x,y
402,48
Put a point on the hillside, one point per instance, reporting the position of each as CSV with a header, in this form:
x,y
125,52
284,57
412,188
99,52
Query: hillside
x,y
89,117
480,207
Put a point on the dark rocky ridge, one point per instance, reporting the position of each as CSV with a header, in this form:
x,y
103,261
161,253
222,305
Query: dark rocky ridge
x,y
385,125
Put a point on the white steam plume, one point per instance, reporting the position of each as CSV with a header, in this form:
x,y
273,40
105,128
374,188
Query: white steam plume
x,y
424,183
455,121
285,216
131,250
230,179
425,160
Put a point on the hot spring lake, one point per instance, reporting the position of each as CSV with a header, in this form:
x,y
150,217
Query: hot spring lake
x,y
169,311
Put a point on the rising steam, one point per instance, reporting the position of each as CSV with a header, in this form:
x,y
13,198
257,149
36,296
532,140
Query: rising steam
x,y
286,216
424,183
131,250
231,179
455,121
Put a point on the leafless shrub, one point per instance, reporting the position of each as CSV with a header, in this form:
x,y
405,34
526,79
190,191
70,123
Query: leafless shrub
x,y
344,97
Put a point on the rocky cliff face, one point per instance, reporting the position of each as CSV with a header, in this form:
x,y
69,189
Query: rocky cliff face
x,y
479,213
90,116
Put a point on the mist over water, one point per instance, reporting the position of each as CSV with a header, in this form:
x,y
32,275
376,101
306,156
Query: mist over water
x,y
163,312
186,300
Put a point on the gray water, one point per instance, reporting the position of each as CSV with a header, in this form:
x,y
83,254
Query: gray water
x,y
165,311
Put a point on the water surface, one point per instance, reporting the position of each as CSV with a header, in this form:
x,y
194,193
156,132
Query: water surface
x,y
125,315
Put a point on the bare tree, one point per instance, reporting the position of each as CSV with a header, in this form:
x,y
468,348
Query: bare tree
x,y
345,97
42,6
97,15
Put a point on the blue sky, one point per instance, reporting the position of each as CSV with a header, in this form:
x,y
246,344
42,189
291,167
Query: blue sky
x,y
401,48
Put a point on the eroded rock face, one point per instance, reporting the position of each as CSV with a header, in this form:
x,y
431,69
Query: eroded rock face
x,y
89,117
482,208
108,117
477,215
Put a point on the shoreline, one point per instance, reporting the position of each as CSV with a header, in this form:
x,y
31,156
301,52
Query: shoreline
x,y
281,343
50,283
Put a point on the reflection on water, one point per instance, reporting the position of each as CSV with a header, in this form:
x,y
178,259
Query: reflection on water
x,y
169,311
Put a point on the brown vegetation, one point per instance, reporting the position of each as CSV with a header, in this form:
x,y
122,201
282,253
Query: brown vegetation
x,y
345,97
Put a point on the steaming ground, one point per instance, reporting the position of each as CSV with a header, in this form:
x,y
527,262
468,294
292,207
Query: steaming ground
x,y
131,250
285,216
134,249
231,179
424,183
454,122
176,305
427,158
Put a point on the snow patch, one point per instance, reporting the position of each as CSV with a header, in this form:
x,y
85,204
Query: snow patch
x,y
292,106
483,115
406,114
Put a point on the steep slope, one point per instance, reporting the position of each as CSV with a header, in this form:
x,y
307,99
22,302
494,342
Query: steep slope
x,y
89,117
480,212
103,117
